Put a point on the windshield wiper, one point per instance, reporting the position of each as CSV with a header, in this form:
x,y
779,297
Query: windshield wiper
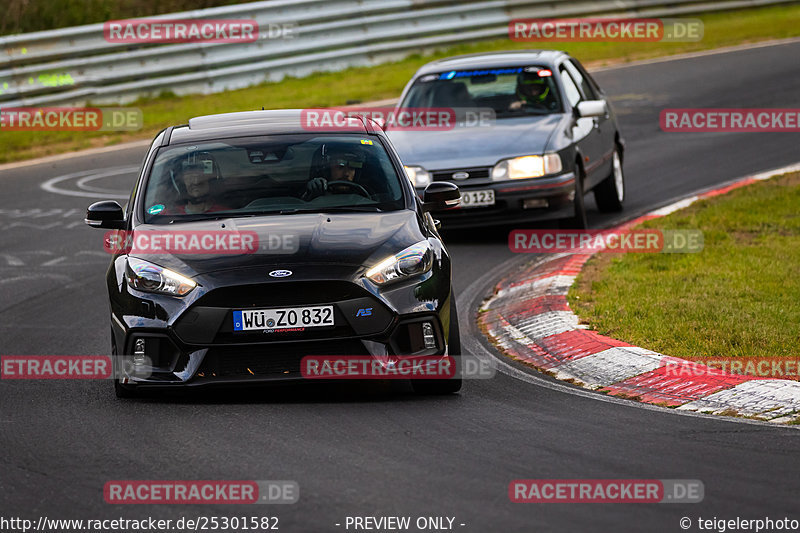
x,y
290,211
351,209
208,216
195,218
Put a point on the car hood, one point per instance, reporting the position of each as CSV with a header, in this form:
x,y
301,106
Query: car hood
x,y
344,240
468,147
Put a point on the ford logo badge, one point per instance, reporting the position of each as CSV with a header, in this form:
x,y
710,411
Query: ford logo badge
x,y
460,175
280,273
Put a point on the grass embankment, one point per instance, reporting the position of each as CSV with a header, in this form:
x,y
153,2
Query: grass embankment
x,y
387,81
22,16
739,297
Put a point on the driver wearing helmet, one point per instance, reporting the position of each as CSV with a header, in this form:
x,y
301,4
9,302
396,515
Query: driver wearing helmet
x,y
197,180
339,164
532,92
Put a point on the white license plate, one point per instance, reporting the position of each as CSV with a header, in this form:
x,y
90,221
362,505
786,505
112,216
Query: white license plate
x,y
477,198
286,318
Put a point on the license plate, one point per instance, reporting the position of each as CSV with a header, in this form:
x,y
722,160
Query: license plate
x,y
286,318
477,198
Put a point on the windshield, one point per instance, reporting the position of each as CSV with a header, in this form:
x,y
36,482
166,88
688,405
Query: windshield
x,y
284,174
511,92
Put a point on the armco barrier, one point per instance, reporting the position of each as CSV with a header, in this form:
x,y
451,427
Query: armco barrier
x,y
77,65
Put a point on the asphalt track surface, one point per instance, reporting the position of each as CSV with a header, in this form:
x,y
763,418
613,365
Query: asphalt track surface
x,y
382,451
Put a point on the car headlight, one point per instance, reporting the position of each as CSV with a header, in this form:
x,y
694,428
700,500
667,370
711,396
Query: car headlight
x,y
419,176
414,260
147,277
529,166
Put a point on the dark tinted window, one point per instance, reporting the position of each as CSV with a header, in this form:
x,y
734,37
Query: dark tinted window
x,y
511,91
258,175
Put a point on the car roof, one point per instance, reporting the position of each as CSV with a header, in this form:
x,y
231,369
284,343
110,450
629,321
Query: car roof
x,y
265,122
509,58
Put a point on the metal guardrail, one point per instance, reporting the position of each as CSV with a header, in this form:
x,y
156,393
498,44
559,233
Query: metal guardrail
x,y
77,65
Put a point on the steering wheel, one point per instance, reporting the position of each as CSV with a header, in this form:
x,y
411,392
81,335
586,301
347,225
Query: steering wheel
x,y
349,184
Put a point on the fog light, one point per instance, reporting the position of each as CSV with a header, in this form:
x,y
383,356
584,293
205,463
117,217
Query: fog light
x,y
138,352
530,203
427,335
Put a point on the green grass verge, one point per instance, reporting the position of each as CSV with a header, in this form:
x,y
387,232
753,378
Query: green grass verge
x,y
22,16
387,81
736,298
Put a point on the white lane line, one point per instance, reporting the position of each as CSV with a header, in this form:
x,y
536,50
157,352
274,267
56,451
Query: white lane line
x,y
59,277
51,185
12,260
82,184
71,155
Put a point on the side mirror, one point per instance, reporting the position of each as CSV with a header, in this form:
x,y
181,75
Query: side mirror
x,y
592,108
107,214
440,195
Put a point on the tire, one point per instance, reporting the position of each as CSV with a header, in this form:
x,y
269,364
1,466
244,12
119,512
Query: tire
x,y
452,385
610,193
578,220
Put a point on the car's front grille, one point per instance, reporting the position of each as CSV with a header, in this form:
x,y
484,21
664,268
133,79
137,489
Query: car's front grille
x,y
284,293
473,173
273,360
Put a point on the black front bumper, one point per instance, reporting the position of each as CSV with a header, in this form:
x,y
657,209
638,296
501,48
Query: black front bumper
x,y
199,347
510,202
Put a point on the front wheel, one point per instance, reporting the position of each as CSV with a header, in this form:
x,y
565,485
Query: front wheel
x,y
579,219
452,385
610,193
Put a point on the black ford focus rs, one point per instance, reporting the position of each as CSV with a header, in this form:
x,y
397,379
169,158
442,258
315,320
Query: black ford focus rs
x,y
250,245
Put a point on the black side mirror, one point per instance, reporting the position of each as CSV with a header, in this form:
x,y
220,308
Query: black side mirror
x,y
440,195
107,214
